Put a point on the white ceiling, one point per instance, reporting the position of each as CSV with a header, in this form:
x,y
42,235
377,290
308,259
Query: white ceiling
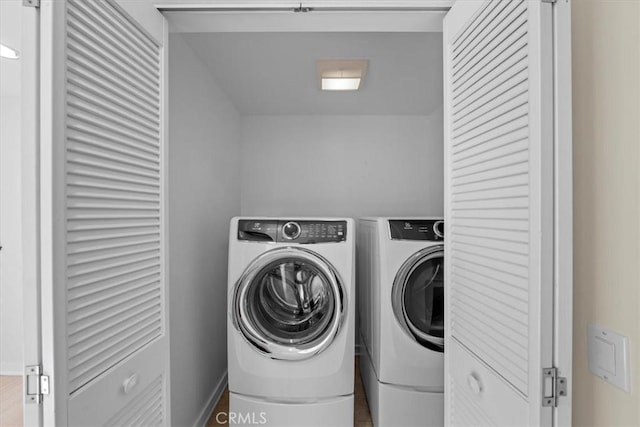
x,y
275,73
10,35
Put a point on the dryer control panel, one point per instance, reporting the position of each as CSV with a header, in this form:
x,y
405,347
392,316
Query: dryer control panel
x,y
413,229
293,231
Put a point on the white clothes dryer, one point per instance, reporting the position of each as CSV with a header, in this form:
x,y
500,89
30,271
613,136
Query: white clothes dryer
x,y
401,306
291,313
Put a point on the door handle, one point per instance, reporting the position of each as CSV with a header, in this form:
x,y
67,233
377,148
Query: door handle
x,y
474,383
129,383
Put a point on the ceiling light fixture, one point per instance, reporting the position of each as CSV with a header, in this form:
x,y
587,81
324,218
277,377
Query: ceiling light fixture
x,y
8,53
341,74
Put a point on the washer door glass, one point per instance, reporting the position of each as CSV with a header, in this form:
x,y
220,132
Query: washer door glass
x,y
288,303
418,297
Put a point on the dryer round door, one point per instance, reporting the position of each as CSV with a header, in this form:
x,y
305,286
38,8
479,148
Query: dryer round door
x,y
418,297
289,303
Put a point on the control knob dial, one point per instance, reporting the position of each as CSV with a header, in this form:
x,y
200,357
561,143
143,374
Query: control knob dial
x,y
291,230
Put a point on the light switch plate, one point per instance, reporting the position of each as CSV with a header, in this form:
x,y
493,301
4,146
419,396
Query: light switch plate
x,y
608,356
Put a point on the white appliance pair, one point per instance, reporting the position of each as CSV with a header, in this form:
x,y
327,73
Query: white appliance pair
x,y
291,306
401,308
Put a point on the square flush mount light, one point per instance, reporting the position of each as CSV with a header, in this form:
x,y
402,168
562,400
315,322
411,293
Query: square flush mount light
x,y
341,74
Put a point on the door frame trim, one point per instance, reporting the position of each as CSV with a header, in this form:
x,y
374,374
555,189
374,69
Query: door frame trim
x,y
563,207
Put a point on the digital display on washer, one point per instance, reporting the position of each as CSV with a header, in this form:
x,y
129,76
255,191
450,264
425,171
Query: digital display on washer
x,y
424,229
294,231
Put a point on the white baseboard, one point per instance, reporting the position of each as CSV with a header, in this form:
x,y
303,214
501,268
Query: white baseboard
x,y
215,396
12,369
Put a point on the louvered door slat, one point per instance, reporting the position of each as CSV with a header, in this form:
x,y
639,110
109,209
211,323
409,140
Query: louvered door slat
x,y
110,176
106,112
485,277
88,184
92,136
513,308
107,287
114,107
517,202
475,111
491,242
94,31
90,298
82,65
100,83
508,35
506,282
489,195
469,33
86,59
104,125
144,409
82,88
101,339
508,78
498,205
127,34
495,34
106,118
492,66
487,233
121,30
114,288
508,147
85,367
512,266
93,347
506,181
504,129
492,249
115,305
513,333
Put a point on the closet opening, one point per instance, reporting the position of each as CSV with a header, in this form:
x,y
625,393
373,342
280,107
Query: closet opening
x,y
252,134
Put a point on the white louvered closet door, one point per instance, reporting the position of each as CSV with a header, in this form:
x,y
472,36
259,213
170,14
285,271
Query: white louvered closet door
x,y
105,337
499,211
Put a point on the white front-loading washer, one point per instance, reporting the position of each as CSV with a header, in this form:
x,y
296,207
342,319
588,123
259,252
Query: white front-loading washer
x,y
401,307
291,313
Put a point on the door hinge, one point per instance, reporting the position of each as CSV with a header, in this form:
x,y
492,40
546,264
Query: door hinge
x,y
36,384
31,3
553,387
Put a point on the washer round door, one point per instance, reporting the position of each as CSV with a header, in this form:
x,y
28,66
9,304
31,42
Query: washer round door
x,y
289,303
418,297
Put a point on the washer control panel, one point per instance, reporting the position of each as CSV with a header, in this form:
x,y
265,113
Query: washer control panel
x,y
293,231
422,229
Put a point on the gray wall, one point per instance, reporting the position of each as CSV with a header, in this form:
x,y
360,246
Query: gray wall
x,y
10,238
204,193
342,165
